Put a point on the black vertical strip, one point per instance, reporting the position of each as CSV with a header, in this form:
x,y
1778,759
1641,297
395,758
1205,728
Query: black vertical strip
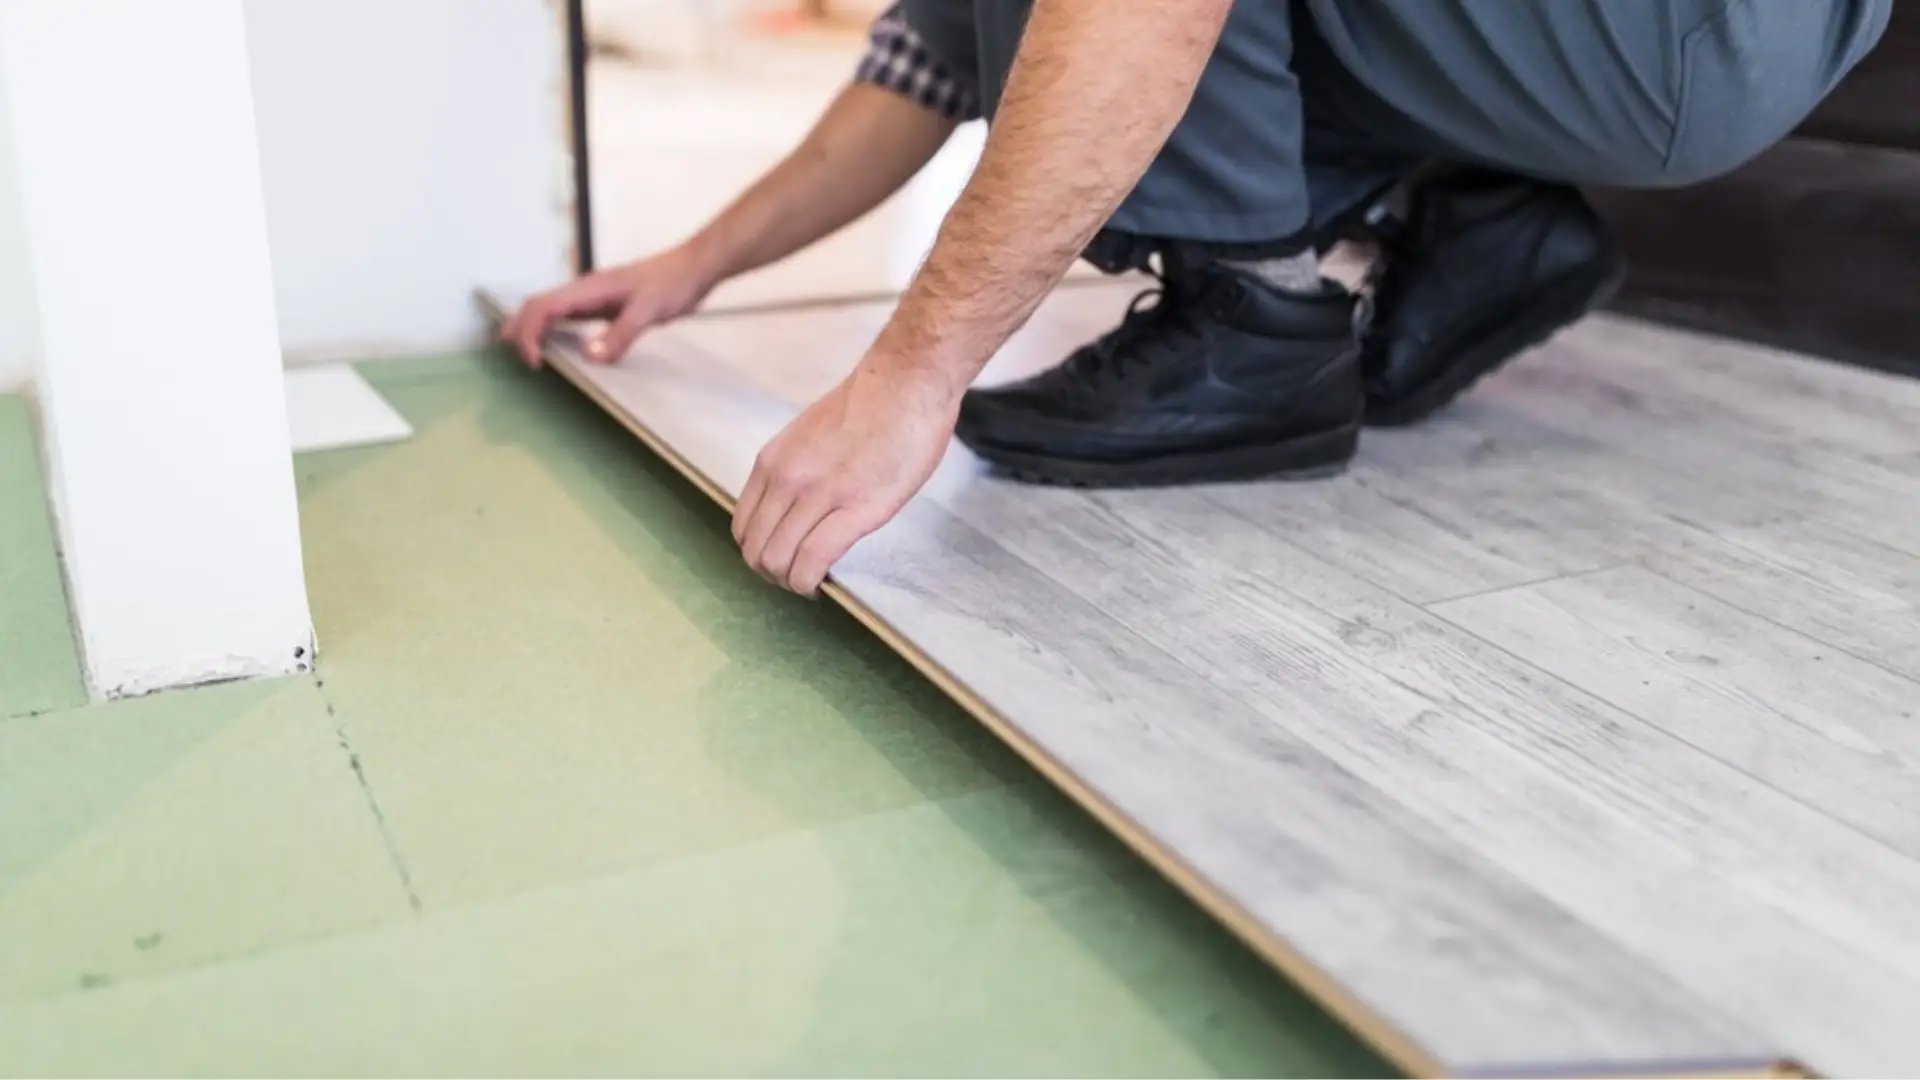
x,y
577,102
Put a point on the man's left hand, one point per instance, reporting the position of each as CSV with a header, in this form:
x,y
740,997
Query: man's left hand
x,y
840,470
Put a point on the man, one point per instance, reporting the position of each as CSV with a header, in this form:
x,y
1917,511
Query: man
x,y
1230,143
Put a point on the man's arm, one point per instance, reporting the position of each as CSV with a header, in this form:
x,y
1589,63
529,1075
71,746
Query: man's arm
x,y
1094,93
865,147
876,134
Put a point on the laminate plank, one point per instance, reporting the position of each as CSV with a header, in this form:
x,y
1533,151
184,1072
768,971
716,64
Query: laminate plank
x,y
1743,894
1423,944
1813,721
1425,541
1578,459
1826,583
1487,496
1565,387
1780,395
1371,894
1565,453
1427,534
1451,510
1400,518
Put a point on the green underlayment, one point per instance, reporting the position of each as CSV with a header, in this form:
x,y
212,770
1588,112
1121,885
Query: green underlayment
x,y
39,669
574,792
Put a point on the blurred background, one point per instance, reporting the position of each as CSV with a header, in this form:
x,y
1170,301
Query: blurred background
x,y
689,101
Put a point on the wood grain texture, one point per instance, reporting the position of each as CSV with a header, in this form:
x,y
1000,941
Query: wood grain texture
x,y
1685,440
1634,831
1854,594
1822,725
1376,898
1564,735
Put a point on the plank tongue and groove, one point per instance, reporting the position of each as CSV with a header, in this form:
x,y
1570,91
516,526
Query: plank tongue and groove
x,y
1343,717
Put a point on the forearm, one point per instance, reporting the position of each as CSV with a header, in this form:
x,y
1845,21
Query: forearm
x,y
867,145
1095,92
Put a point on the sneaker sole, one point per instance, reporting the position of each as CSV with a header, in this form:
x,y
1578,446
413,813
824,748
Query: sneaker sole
x,y
1564,303
1312,457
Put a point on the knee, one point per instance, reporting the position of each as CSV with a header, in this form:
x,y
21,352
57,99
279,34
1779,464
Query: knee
x,y
1728,119
1689,160
1752,75
1706,157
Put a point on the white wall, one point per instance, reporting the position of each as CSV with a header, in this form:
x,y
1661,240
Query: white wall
x,y
19,325
410,149
162,404
689,31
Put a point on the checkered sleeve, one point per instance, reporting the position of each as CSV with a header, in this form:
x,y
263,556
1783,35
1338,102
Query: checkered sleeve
x,y
898,59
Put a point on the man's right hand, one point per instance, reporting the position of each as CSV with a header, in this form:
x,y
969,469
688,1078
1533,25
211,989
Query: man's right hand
x,y
636,297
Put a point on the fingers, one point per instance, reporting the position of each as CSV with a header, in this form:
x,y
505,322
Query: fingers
x,y
793,540
774,558
749,501
779,499
827,480
530,325
594,295
826,544
777,512
791,531
618,338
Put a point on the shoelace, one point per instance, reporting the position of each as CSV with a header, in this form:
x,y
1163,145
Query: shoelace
x,y
1152,310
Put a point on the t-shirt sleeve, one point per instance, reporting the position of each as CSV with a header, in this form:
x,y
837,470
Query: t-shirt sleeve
x,y
898,59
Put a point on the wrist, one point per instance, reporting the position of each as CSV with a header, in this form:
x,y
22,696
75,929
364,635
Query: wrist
x,y
913,384
935,339
708,259
917,380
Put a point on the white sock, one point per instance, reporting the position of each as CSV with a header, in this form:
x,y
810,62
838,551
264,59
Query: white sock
x,y
1292,273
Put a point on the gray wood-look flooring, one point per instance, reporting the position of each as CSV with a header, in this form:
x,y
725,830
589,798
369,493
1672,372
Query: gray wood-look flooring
x,y
1572,732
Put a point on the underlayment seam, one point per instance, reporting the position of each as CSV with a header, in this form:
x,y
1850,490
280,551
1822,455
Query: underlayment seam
x,y
373,803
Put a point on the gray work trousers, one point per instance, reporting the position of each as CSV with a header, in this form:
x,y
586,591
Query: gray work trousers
x,y
1627,93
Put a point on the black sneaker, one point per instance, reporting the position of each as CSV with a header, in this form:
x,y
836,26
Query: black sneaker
x,y
1214,376
1486,266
